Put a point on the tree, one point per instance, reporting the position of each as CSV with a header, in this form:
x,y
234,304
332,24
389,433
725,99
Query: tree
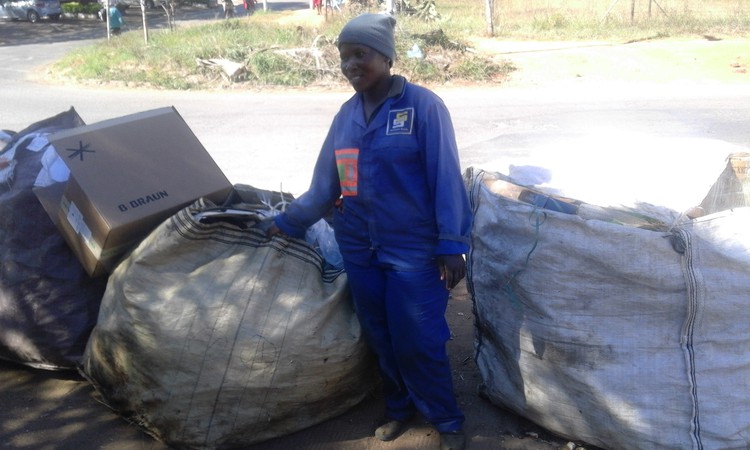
x,y
169,7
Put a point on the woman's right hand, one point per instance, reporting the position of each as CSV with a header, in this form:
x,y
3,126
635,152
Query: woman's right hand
x,y
269,227
273,230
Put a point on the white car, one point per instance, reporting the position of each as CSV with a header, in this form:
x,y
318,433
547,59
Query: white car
x,y
31,10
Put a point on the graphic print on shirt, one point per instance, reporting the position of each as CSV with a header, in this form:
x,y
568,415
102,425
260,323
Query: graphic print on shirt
x,y
400,121
346,162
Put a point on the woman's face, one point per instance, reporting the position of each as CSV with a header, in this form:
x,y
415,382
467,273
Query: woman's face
x,y
363,66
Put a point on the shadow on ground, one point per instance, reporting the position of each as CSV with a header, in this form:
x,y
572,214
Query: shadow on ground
x,y
45,410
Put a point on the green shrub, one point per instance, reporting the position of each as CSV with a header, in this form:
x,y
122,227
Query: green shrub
x,y
80,8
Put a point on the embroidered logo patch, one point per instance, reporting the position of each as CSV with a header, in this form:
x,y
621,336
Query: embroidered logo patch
x,y
400,121
346,162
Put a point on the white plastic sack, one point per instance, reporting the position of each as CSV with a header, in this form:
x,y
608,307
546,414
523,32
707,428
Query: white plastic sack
x,y
623,337
213,336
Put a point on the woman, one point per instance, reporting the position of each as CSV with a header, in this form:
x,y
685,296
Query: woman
x,y
116,21
389,167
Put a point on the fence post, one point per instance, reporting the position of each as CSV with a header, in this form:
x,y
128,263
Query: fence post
x,y
489,13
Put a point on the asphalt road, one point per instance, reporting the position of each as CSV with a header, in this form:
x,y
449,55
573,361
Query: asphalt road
x,y
270,138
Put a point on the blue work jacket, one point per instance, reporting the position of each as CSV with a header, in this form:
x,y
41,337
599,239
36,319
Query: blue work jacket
x,y
395,183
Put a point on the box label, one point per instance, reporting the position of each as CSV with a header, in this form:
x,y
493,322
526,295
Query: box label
x,y
143,201
75,219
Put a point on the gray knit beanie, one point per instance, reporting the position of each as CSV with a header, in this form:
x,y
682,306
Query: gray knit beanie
x,y
373,30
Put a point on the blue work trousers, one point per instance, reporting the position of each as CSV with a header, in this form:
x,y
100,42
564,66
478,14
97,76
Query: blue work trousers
x,y
402,315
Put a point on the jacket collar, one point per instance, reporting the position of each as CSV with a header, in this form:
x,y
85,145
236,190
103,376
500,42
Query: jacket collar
x,y
397,90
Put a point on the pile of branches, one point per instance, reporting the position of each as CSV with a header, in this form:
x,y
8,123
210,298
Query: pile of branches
x,y
320,58
319,63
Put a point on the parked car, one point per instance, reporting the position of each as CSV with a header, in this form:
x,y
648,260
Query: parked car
x,y
31,10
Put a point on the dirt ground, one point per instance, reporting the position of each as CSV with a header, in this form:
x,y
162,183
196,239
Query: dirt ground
x,y
701,59
46,410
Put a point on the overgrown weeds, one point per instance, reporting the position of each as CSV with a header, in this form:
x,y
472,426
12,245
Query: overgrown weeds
x,y
273,54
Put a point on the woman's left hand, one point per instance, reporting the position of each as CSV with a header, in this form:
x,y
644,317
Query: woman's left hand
x,y
452,269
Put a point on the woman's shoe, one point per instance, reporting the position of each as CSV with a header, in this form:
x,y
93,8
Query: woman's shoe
x,y
389,430
453,440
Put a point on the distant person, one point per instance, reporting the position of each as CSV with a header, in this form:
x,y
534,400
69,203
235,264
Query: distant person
x,y
116,21
250,6
389,170
228,9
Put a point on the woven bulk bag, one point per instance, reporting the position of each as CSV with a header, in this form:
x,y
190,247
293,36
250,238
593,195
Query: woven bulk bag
x,y
211,335
620,333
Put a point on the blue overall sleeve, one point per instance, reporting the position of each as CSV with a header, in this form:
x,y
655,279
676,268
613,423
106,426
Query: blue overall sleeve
x,y
452,209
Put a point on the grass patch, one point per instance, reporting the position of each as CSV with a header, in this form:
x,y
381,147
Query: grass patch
x,y
549,20
277,51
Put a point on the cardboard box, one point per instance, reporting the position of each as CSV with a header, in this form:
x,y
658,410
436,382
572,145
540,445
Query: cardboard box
x,y
127,175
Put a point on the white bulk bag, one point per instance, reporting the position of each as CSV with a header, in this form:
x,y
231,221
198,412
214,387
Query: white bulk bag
x,y
621,336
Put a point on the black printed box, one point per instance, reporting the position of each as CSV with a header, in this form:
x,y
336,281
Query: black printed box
x,y
127,175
